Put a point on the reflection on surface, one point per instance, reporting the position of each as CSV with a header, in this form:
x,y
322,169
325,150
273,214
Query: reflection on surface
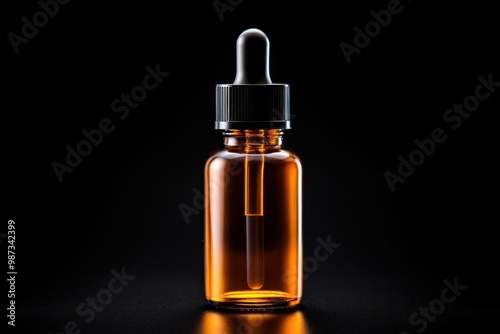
x,y
252,323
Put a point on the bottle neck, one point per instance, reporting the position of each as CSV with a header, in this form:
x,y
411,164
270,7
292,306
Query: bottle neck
x,y
253,141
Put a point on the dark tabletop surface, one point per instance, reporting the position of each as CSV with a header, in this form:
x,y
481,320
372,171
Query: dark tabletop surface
x,y
368,303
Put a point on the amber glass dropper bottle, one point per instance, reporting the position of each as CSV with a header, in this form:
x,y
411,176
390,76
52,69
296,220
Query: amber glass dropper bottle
x,y
253,187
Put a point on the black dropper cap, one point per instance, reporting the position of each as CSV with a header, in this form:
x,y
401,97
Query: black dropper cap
x,y
252,101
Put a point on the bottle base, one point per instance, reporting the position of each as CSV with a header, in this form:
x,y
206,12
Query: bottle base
x,y
254,300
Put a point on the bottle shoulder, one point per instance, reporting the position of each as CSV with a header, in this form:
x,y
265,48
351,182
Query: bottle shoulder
x,y
279,156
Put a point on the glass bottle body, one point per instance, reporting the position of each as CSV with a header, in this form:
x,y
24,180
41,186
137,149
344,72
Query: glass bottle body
x,y
253,226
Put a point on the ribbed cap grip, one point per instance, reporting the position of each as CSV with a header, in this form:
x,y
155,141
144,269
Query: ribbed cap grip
x,y
252,107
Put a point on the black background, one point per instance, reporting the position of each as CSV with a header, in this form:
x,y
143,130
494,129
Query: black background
x,y
119,207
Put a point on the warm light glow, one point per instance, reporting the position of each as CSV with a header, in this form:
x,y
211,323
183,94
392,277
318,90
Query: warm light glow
x,y
254,323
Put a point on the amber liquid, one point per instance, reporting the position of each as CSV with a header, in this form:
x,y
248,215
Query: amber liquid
x,y
253,239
